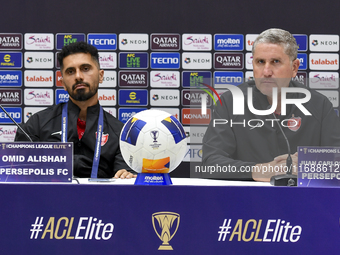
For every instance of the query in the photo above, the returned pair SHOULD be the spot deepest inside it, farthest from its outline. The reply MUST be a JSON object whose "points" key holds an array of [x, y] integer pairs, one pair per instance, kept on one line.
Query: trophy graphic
{"points": [[165, 222]]}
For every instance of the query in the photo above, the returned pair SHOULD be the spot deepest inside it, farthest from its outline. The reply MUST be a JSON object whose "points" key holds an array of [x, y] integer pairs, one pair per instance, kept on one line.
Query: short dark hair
{"points": [[78, 47]]}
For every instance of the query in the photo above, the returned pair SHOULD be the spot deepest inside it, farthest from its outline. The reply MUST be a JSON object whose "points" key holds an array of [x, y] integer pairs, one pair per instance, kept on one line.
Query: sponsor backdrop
{"points": [[59, 221], [154, 53]]}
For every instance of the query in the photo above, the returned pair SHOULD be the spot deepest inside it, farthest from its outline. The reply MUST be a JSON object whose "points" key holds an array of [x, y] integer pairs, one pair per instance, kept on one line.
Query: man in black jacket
{"points": [[81, 120], [251, 146]]}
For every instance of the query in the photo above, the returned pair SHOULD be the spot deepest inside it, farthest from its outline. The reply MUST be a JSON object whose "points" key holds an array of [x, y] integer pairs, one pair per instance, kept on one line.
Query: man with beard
{"points": [[82, 118]]}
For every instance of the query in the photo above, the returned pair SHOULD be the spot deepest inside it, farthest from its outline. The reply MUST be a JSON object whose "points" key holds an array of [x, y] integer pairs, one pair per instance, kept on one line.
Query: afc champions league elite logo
{"points": [[165, 226], [154, 135]]}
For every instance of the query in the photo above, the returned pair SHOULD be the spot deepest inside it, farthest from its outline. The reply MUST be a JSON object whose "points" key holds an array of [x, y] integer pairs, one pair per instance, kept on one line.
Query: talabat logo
{"points": [[133, 78], [324, 80], [135, 97], [66, 39], [197, 61], [10, 41], [107, 97], [194, 79], [10, 60], [39, 78], [164, 79], [39, 41], [199, 42], [133, 60], [133, 41], [250, 38], [228, 42], [108, 60], [324, 43], [103, 41], [41, 60], [165, 60], [301, 41], [10, 78], [228, 61], [165, 42], [323, 61], [10, 97]]}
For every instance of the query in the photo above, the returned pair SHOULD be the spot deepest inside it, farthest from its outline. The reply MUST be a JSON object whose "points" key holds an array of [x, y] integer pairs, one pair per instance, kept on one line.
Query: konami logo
{"points": [[58, 79], [192, 116], [324, 61]]}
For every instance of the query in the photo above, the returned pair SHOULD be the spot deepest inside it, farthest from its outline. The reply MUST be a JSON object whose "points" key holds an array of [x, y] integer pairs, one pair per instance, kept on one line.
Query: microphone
{"points": [[29, 138], [287, 179]]}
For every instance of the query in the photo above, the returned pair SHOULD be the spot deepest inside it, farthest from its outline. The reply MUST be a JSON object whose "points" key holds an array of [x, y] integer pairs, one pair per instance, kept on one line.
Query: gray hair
{"points": [[281, 37]]}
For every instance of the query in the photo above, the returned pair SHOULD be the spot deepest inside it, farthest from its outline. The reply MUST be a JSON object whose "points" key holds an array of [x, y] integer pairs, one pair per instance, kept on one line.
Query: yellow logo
{"points": [[7, 58], [133, 95], [165, 224]]}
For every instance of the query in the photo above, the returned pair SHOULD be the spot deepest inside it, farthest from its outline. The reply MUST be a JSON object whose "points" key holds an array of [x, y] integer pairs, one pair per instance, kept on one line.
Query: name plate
{"points": [[36, 162], [319, 166]]}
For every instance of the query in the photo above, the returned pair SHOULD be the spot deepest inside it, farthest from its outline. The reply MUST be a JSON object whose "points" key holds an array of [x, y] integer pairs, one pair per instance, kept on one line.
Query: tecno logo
{"points": [[103, 41], [165, 60]]}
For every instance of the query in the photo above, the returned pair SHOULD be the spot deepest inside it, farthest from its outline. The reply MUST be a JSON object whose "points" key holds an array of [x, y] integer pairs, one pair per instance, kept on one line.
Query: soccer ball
{"points": [[153, 141]]}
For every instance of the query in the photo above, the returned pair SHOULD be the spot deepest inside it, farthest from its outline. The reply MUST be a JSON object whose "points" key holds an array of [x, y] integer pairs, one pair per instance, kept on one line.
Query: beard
{"points": [[82, 94]]}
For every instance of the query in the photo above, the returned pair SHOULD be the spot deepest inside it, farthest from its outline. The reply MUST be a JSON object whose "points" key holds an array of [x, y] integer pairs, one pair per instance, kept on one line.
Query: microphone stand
{"points": [[287, 179]]}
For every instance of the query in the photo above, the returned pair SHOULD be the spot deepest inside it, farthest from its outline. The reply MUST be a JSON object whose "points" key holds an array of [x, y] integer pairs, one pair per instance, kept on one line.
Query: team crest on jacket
{"points": [[294, 123], [105, 138]]}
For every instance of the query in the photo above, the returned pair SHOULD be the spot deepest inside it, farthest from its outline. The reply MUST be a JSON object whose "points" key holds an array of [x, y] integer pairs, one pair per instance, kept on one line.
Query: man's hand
{"points": [[123, 174], [276, 167]]}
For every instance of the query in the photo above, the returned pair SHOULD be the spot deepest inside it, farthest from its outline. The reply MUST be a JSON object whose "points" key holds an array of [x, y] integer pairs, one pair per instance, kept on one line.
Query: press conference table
{"points": [[195, 216]]}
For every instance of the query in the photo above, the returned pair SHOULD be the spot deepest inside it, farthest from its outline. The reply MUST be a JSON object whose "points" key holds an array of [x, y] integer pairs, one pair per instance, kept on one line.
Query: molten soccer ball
{"points": [[153, 141]]}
